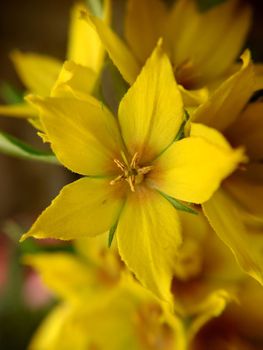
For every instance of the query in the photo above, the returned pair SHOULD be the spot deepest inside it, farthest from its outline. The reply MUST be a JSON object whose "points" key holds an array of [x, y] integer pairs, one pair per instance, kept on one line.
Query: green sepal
{"points": [[12, 146], [30, 246], [180, 135], [178, 205], [205, 5], [112, 233]]}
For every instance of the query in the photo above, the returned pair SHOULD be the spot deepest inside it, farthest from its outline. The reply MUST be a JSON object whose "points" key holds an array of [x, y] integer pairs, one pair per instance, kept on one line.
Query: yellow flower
{"points": [[122, 319], [133, 171], [98, 297], [196, 42], [96, 309], [40, 72], [206, 276], [235, 211], [92, 271]]}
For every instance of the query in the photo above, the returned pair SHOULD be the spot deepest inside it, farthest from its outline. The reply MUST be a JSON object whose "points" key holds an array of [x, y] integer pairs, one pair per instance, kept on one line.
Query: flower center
{"points": [[131, 172]]}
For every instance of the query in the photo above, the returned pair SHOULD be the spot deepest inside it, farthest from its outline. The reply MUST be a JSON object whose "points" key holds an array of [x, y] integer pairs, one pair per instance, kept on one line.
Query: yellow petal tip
{"points": [[160, 42], [24, 237]]}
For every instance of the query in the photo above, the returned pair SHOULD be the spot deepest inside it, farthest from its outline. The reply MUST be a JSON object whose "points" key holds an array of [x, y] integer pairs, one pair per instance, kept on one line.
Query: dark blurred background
{"points": [[27, 187]]}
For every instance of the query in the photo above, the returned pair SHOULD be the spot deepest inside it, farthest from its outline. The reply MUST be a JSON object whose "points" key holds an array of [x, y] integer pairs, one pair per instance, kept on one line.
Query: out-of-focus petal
{"points": [[37, 72], [74, 81], [226, 103], [118, 51], [85, 47], [144, 25], [22, 110], [248, 131], [220, 33], [225, 219]]}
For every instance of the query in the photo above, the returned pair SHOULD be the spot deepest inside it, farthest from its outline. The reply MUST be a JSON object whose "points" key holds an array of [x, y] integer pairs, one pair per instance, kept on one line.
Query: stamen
{"points": [[134, 160], [132, 173], [131, 182], [145, 170], [117, 179], [119, 164]]}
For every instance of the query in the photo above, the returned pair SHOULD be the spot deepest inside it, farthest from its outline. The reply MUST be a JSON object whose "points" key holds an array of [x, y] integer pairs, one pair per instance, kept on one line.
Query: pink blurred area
{"points": [[35, 293]]}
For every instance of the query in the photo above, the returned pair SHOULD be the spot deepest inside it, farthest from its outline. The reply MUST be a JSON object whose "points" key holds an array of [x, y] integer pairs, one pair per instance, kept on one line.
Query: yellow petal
{"points": [[192, 169], [148, 235], [193, 98], [36, 122], [144, 25], [65, 274], [74, 81], [209, 134], [47, 335], [112, 324], [83, 134], [37, 72], [248, 131], [86, 207], [246, 189], [151, 112], [228, 46], [215, 51], [226, 103], [109, 323], [84, 46], [21, 110], [224, 217], [189, 262], [118, 51], [248, 194]]}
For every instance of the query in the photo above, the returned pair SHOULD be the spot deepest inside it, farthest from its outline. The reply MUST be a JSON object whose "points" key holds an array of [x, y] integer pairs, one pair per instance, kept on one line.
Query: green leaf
{"points": [[112, 233], [10, 94], [205, 5], [95, 7], [177, 204], [14, 147]]}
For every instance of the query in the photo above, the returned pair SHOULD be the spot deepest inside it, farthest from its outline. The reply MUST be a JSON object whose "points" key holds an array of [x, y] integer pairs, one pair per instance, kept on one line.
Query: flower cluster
{"points": [[171, 180]]}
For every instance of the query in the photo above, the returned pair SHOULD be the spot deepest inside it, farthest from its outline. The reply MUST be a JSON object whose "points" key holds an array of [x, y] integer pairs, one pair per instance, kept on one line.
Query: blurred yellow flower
{"points": [[196, 42], [133, 171], [100, 305], [206, 276], [235, 211], [40, 72]]}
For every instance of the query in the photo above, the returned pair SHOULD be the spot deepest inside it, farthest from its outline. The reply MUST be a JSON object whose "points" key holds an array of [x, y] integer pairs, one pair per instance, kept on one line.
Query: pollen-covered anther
{"points": [[131, 172]]}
